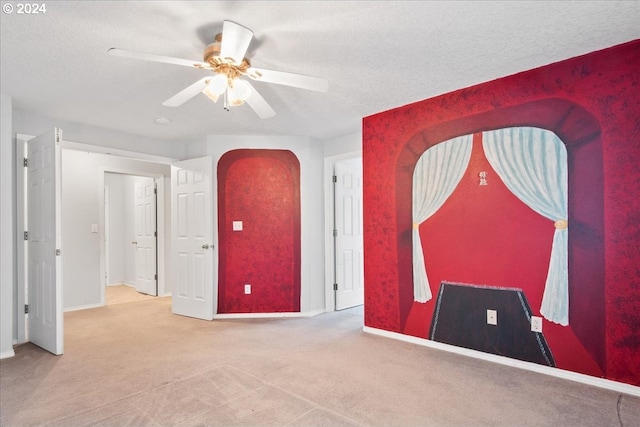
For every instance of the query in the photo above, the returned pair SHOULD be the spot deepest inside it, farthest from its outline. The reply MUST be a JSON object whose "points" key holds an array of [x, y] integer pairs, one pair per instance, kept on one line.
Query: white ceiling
{"points": [[377, 55]]}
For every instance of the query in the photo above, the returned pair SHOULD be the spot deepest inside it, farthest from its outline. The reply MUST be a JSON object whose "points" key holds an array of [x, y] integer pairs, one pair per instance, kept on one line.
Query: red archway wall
{"points": [[589, 103], [261, 188]]}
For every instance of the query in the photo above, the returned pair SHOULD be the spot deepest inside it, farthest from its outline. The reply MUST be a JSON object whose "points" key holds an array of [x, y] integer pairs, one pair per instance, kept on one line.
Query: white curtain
{"points": [[437, 173], [532, 163]]}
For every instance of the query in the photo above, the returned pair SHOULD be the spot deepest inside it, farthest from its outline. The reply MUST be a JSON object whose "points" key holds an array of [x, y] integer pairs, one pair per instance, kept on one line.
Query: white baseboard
{"points": [[83, 307], [547, 370], [266, 315], [7, 354]]}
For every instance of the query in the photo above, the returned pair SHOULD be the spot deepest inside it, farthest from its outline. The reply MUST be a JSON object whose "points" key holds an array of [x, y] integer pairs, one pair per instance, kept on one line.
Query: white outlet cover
{"points": [[94, 228], [237, 225], [492, 317], [247, 289], [536, 324]]}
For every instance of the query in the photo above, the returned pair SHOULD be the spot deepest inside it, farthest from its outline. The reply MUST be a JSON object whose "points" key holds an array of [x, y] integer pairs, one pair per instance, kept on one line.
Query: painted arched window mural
{"points": [[532, 163]]}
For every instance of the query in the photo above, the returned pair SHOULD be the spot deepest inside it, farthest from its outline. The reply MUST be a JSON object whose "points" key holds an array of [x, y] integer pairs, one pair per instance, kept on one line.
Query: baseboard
{"points": [[266, 315], [554, 372], [7, 354], [83, 307]]}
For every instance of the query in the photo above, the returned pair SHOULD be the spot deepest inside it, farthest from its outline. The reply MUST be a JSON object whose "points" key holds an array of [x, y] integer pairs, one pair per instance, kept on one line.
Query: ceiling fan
{"points": [[225, 57]]}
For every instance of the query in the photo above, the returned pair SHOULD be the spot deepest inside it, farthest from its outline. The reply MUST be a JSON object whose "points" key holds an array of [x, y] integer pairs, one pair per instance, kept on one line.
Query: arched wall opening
{"points": [[259, 231]]}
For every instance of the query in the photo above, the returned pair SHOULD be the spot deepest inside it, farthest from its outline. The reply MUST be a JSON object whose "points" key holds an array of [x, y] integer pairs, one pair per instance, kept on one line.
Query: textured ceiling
{"points": [[377, 55]]}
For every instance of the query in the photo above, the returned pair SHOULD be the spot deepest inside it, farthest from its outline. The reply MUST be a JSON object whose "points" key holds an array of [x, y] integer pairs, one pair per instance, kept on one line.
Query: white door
{"points": [[44, 242], [192, 233], [145, 236], [349, 266]]}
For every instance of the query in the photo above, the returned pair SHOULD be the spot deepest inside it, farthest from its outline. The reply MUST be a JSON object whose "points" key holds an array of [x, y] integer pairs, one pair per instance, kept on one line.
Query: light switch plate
{"points": [[247, 289], [94, 228], [237, 225]]}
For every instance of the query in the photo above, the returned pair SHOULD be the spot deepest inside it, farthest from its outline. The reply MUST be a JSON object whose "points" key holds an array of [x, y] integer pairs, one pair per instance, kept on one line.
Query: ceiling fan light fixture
{"points": [[239, 91], [216, 87]]}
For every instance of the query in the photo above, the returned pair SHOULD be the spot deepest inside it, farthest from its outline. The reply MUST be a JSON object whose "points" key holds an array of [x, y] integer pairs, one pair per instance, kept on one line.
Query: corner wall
{"points": [[7, 235]]}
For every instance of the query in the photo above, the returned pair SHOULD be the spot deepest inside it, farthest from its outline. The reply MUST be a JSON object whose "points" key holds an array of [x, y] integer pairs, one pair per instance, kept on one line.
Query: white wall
{"points": [[117, 241], [81, 208], [310, 155], [7, 225], [32, 124], [351, 143]]}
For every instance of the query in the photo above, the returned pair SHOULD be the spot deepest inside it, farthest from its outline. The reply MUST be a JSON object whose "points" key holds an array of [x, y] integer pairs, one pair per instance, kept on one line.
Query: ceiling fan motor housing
{"points": [[226, 66]]}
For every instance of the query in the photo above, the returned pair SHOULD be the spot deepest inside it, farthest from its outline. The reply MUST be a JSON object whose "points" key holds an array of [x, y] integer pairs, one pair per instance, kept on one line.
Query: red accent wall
{"points": [[261, 188], [591, 102]]}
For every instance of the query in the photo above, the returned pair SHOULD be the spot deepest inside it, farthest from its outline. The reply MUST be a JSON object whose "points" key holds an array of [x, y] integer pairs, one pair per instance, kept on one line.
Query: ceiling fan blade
{"points": [[187, 93], [157, 58], [259, 105], [235, 41], [289, 79]]}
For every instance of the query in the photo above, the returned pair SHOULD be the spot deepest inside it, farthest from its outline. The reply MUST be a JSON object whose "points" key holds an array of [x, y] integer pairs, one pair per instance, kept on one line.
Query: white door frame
{"points": [[21, 291], [160, 242], [329, 250]]}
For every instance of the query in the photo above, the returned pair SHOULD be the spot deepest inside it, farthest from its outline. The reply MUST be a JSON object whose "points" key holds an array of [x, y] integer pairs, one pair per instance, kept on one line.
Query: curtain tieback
{"points": [[561, 224], [416, 226]]}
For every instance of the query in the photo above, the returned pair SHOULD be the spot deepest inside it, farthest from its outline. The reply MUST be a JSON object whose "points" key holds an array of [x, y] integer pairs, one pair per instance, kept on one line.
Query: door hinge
{"points": [[58, 252], [26, 235], [335, 233], [155, 234], [335, 286], [335, 178], [26, 309], [58, 136], [155, 190], [155, 276], [25, 162]]}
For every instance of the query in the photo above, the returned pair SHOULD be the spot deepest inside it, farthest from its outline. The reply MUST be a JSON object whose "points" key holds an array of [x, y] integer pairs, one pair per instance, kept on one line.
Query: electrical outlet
{"points": [[247, 289], [492, 317], [536, 324]]}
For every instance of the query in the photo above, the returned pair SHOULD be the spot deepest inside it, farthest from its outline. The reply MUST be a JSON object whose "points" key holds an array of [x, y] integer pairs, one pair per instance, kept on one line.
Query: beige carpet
{"points": [[120, 294], [137, 364]]}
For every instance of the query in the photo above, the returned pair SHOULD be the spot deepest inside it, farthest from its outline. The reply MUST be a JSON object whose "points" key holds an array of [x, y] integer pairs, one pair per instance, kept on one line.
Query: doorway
{"points": [[83, 216], [130, 234], [344, 283]]}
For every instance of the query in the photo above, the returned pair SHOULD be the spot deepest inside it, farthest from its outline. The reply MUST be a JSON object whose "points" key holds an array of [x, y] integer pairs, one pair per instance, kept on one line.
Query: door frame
{"points": [[160, 227], [20, 317], [329, 210]]}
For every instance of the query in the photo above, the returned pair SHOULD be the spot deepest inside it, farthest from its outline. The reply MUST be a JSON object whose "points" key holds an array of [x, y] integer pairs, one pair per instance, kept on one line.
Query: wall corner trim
{"points": [[7, 354], [83, 307], [534, 367]]}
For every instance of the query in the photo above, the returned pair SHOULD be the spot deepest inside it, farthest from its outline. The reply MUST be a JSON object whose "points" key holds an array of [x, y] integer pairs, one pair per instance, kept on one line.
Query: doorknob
{"points": [[206, 246]]}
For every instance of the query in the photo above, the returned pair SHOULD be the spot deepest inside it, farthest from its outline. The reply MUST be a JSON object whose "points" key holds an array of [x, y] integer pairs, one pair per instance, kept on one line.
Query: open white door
{"points": [[44, 242], [349, 266], [146, 236], [192, 233]]}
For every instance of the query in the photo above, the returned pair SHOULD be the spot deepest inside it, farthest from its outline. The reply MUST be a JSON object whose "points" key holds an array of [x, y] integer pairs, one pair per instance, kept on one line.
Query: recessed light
{"points": [[162, 120]]}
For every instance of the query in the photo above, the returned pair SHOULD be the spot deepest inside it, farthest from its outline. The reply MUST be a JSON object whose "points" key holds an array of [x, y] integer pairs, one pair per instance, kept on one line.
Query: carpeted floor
{"points": [[137, 364], [119, 294]]}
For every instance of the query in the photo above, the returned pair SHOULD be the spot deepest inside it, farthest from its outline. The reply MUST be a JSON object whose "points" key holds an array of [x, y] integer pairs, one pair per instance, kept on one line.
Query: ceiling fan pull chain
{"points": [[226, 98]]}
